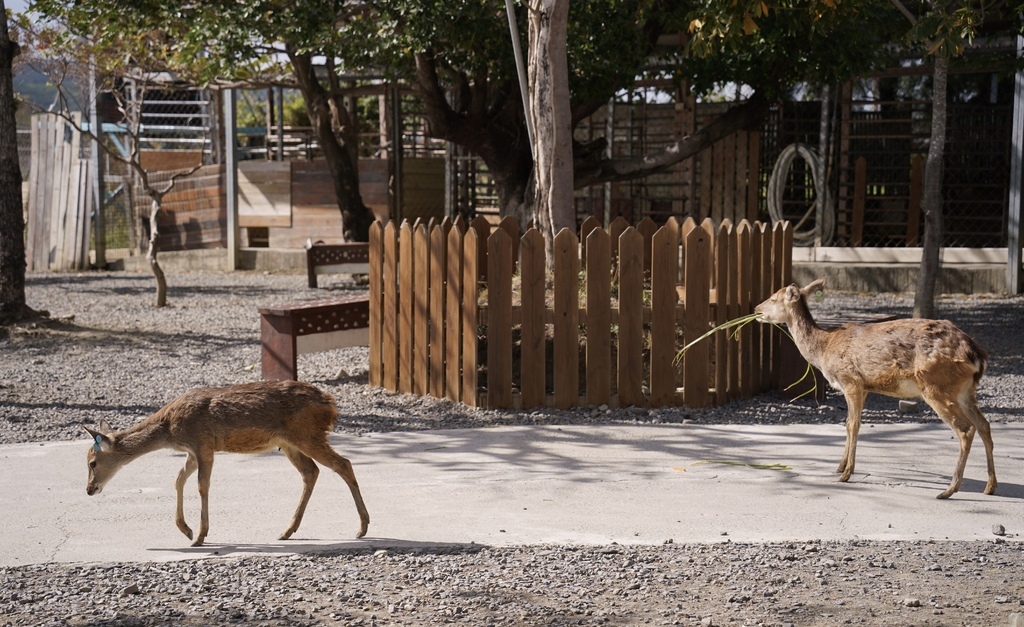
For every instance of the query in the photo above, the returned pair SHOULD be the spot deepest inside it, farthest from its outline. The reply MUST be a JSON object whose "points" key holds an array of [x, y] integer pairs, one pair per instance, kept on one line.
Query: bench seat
{"points": [[293, 329]]}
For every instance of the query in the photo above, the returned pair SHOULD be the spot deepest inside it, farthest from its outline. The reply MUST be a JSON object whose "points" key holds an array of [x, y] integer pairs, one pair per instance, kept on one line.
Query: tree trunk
{"points": [[356, 217], [552, 119], [931, 196], [154, 248], [12, 222]]}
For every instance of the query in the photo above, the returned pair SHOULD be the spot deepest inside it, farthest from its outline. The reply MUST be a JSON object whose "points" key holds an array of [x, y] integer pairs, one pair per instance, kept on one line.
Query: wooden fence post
{"points": [[453, 317], [471, 256], [421, 312], [406, 315], [664, 277], [532, 356], [599, 317], [631, 320], [695, 363], [722, 282], [566, 345], [438, 275], [391, 305], [376, 293], [499, 320]]}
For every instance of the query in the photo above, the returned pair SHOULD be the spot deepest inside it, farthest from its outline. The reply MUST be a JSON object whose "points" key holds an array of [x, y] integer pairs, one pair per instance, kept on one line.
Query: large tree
{"points": [[463, 69], [12, 223]]}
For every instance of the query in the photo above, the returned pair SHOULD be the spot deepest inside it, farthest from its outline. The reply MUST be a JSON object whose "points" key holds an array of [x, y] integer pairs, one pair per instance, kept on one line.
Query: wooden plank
{"points": [[406, 307], [51, 185], [664, 277], [59, 199], [860, 183], [615, 231], [914, 208], [389, 326], [764, 234], [728, 178], [722, 290], [482, 226], [566, 368], [511, 226], [778, 282], [588, 225], [744, 271], [72, 209], [703, 207], [697, 316], [375, 291], [421, 313], [470, 315], [32, 213], [532, 357], [453, 317], [755, 298], [647, 228], [631, 329], [499, 320], [438, 274], [731, 306], [599, 334]]}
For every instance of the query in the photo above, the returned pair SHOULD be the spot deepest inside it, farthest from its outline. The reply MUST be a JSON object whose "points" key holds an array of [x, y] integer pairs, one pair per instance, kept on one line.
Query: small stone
{"points": [[907, 407], [911, 602], [999, 530], [1016, 620], [132, 589], [707, 622]]}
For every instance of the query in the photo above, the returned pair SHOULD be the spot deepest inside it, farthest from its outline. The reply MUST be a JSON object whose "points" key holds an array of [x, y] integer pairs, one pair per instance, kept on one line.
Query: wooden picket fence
{"points": [[471, 312]]}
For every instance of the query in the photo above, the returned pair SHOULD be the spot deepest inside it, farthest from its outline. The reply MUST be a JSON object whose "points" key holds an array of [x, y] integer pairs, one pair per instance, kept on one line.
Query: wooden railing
{"points": [[472, 313]]}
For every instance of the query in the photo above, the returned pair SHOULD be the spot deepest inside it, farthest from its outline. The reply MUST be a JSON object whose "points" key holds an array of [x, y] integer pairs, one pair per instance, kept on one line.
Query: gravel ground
{"points": [[109, 354]]}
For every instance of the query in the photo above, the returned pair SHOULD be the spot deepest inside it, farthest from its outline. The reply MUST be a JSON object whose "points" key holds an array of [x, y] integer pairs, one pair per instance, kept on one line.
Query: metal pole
{"points": [[231, 177], [96, 173], [513, 28], [1015, 226]]}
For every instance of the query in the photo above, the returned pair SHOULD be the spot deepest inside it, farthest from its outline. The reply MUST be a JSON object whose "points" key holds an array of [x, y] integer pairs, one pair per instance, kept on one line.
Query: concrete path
{"points": [[524, 485]]}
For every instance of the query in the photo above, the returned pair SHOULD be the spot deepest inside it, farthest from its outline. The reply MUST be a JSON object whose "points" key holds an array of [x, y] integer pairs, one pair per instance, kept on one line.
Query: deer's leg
{"points": [[179, 485], [309, 472], [951, 413], [983, 428], [322, 452], [855, 404], [205, 465]]}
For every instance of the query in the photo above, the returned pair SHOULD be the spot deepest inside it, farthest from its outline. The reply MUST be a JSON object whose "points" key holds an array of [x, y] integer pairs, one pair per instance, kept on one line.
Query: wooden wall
{"points": [[193, 215]]}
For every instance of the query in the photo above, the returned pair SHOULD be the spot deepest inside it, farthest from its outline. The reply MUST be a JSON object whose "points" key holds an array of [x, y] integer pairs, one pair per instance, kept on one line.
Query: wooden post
{"points": [[599, 339], [499, 320], [566, 345], [532, 356]]}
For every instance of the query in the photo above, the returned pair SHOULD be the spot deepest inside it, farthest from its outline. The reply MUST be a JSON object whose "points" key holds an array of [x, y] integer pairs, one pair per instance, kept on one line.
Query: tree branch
{"points": [[593, 171]]}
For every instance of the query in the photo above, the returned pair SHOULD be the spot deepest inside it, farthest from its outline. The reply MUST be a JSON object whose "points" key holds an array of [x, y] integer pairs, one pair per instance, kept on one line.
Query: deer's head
{"points": [[779, 308], [103, 459]]}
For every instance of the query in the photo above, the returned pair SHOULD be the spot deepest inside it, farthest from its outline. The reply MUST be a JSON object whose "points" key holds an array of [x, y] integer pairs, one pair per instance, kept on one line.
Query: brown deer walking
{"points": [[910, 358], [249, 418]]}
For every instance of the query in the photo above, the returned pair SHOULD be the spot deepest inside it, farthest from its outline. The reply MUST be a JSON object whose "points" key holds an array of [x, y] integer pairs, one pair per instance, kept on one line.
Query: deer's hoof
{"points": [[991, 487], [286, 535]]}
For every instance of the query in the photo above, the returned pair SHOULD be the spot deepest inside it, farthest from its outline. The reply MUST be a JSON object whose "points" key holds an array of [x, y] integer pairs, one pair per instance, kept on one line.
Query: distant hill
{"points": [[35, 88]]}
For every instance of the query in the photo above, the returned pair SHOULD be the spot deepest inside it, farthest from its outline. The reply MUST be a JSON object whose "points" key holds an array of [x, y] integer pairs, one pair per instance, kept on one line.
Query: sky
{"points": [[16, 5]]}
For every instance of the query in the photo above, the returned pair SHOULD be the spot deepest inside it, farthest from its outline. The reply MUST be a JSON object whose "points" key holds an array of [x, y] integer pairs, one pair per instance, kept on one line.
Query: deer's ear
{"points": [[814, 287], [793, 293], [104, 427], [100, 441]]}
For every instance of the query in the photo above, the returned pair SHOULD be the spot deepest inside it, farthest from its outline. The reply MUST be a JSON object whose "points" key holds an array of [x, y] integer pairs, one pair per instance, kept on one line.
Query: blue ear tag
{"points": [[96, 445]]}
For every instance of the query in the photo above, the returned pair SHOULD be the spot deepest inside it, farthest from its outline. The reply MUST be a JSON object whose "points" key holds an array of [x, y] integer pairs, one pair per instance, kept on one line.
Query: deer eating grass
{"points": [[909, 358], [249, 418]]}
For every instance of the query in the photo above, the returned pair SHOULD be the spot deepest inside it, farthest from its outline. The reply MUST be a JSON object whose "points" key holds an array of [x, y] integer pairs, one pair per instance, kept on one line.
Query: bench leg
{"points": [[277, 343]]}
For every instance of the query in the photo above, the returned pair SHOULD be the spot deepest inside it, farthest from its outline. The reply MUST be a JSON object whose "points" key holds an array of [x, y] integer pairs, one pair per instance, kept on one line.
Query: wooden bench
{"points": [[793, 366], [351, 258], [287, 331]]}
